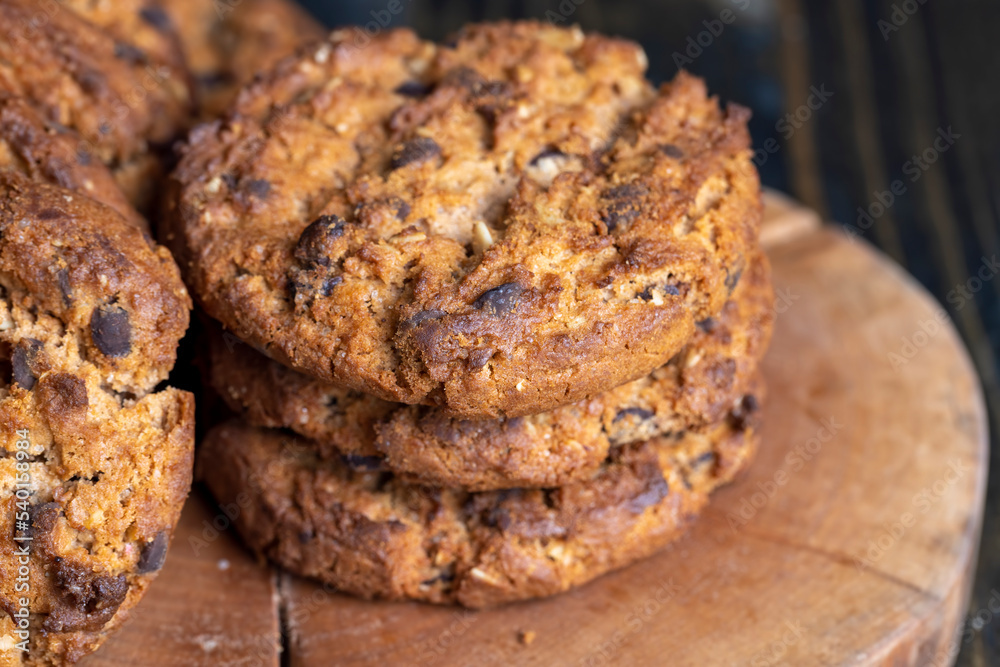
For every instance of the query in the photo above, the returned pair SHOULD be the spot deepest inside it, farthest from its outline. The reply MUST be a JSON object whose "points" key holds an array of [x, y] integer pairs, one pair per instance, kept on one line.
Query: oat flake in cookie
{"points": [[697, 387], [372, 535], [94, 469], [498, 227]]}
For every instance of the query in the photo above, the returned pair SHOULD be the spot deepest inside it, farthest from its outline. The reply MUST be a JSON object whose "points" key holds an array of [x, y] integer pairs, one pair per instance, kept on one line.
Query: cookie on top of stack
{"points": [[96, 459], [492, 311]]}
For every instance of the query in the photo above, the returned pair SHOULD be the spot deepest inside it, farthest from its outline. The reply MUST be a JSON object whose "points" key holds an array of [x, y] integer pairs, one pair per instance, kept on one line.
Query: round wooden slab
{"points": [[851, 540]]}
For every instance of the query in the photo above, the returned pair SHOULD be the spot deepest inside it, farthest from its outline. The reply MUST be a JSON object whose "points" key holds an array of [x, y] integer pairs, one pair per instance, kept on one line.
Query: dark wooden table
{"points": [[881, 115]]}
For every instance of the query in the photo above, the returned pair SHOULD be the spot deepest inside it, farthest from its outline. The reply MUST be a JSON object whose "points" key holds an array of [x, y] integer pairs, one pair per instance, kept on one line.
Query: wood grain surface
{"points": [[851, 541]]}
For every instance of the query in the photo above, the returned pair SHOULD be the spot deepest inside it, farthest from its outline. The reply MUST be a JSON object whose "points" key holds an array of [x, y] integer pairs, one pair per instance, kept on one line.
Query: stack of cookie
{"points": [[96, 459], [492, 311]]}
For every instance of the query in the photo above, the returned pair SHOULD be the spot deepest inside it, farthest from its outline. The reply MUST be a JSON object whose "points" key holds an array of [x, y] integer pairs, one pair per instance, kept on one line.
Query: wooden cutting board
{"points": [[851, 541]]}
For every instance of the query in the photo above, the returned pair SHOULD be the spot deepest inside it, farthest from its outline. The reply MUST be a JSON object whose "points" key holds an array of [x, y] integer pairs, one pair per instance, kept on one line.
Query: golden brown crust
{"points": [[226, 45], [697, 387], [72, 267], [140, 24], [499, 228], [93, 469], [374, 536], [51, 154], [119, 98]]}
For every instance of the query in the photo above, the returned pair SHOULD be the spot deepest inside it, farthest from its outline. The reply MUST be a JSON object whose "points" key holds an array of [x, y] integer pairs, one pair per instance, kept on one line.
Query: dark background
{"points": [[899, 72]]}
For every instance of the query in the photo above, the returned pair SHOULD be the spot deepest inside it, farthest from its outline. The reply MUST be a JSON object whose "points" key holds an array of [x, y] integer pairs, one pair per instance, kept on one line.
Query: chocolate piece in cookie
{"points": [[550, 251], [374, 536], [424, 445]]}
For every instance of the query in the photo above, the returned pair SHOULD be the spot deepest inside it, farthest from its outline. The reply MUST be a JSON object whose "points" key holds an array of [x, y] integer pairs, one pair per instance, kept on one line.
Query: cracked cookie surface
{"points": [[697, 387], [372, 535], [499, 226], [105, 477]]}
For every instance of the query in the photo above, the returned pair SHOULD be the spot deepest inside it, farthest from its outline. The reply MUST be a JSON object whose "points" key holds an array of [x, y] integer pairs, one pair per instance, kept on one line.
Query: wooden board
{"points": [[851, 541]]}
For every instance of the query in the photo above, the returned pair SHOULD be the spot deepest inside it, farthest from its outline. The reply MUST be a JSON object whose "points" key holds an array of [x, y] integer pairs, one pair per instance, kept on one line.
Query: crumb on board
{"points": [[526, 637]]}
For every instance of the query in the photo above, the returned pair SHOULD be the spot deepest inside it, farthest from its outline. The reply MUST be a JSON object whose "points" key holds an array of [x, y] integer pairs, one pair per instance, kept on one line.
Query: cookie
{"points": [[499, 226], [121, 101], [372, 535], [72, 269], [97, 483], [140, 26], [94, 469], [49, 153], [423, 445], [226, 45]]}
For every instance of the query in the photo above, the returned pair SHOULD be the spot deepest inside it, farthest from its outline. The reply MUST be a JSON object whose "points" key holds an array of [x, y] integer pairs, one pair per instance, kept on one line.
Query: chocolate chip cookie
{"points": [[91, 485], [423, 445], [120, 99], [94, 469], [370, 534], [227, 44], [499, 226], [73, 269], [49, 153]]}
